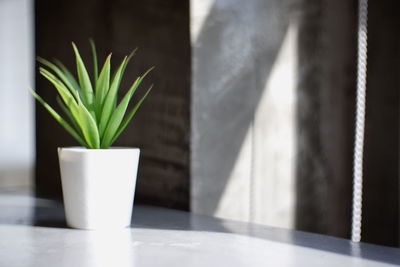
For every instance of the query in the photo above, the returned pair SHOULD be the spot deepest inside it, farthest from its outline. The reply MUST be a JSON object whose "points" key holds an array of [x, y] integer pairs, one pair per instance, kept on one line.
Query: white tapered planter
{"points": [[98, 186]]}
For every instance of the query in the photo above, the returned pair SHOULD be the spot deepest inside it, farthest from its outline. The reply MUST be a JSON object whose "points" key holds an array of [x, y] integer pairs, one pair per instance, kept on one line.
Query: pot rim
{"points": [[82, 149]]}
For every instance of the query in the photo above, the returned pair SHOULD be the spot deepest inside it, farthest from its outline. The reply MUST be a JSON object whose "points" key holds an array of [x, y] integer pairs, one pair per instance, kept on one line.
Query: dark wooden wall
{"points": [[160, 29], [381, 163], [326, 114]]}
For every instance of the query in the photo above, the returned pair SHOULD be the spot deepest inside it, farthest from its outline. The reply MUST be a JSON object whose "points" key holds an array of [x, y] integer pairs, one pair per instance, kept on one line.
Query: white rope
{"points": [[360, 120]]}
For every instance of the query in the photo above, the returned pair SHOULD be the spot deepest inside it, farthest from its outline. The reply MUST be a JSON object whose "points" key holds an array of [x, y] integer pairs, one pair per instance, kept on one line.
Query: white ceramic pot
{"points": [[98, 186]]}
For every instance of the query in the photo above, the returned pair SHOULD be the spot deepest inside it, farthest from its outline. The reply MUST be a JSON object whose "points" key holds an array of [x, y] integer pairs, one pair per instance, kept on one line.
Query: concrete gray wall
{"points": [[272, 116], [242, 110]]}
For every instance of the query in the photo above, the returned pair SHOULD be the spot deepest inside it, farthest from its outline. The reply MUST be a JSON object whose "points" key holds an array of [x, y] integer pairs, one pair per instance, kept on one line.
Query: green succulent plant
{"points": [[95, 119]]}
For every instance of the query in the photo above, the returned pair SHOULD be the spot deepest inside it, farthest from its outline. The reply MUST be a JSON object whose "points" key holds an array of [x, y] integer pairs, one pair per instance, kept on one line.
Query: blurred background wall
{"points": [[16, 105]]}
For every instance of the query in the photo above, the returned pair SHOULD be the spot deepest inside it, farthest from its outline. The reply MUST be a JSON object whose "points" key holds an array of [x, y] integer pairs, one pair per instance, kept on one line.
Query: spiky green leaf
{"points": [[84, 80], [130, 56], [110, 99], [102, 85], [67, 81], [59, 119], [95, 66], [68, 75], [70, 116], [88, 126], [129, 117], [61, 88], [91, 106], [118, 115]]}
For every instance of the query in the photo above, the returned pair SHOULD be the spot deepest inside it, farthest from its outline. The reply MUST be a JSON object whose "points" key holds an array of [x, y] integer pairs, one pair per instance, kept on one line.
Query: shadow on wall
{"points": [[233, 55]]}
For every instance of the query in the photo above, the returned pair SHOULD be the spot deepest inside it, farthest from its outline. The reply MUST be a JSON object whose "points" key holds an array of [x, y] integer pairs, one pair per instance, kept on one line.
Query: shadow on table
{"points": [[46, 213], [49, 216], [159, 218]]}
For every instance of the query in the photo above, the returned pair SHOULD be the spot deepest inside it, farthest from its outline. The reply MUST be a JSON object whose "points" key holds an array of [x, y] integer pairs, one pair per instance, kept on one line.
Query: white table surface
{"points": [[33, 233]]}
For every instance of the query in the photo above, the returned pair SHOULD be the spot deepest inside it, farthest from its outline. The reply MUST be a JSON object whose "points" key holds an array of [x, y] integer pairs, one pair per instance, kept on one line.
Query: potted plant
{"points": [[98, 180]]}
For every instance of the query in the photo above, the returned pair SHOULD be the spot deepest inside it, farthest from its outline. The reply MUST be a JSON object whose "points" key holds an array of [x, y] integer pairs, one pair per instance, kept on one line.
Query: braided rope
{"points": [[360, 120]]}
